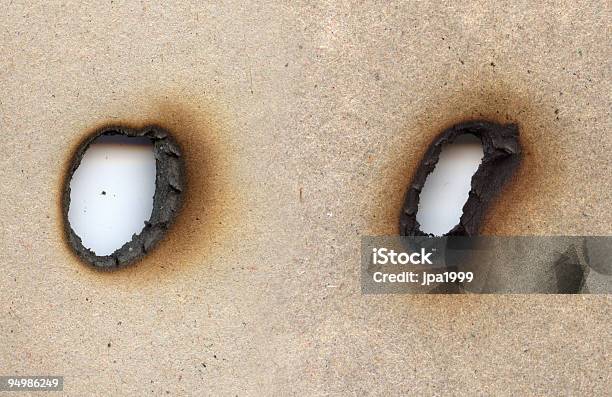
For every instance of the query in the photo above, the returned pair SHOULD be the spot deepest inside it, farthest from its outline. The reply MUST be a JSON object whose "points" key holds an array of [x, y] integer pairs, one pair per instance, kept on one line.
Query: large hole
{"points": [[111, 192], [447, 188], [123, 191]]}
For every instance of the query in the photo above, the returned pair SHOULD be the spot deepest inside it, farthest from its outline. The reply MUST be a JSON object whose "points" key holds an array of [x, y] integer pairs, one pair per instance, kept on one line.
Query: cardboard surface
{"points": [[302, 124]]}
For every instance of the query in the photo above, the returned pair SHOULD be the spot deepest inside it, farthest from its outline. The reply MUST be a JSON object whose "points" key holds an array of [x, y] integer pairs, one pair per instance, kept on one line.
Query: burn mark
{"points": [[167, 200], [502, 156], [528, 198], [210, 212]]}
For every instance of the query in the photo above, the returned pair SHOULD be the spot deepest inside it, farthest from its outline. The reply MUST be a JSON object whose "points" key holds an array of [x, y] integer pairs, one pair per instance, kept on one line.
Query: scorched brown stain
{"points": [[514, 210], [207, 211]]}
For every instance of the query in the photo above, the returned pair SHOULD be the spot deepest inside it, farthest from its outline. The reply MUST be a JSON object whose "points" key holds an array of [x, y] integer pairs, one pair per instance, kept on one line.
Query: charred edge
{"points": [[502, 156], [167, 200]]}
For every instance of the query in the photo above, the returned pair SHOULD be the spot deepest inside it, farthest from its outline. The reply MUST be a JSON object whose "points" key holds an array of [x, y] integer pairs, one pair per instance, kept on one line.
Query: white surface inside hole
{"points": [[112, 192], [447, 188]]}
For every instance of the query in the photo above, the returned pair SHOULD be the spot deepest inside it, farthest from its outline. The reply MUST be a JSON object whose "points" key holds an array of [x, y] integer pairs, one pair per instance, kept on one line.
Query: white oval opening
{"points": [[447, 188], [111, 192]]}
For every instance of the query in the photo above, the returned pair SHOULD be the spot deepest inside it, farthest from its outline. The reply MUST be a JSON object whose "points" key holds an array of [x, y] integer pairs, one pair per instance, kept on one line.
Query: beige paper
{"points": [[302, 123]]}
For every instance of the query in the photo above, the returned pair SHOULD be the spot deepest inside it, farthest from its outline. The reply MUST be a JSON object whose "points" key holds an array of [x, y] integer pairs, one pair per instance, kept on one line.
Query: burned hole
{"points": [[447, 188], [122, 192], [501, 155], [111, 192]]}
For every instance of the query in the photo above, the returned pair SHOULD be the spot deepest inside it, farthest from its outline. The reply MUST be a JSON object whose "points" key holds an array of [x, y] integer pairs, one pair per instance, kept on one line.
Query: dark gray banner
{"points": [[31, 383], [487, 264]]}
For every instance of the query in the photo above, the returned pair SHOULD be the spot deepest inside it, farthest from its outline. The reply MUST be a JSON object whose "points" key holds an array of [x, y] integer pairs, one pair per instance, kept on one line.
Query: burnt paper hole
{"points": [[111, 192], [502, 155], [167, 197], [447, 188]]}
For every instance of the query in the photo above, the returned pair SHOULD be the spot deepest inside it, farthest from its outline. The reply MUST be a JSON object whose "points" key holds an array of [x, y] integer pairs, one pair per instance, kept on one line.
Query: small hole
{"points": [[447, 188], [111, 192]]}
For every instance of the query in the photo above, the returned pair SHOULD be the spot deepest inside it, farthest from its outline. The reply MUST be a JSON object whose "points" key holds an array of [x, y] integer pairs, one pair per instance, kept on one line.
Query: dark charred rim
{"points": [[167, 200], [502, 156]]}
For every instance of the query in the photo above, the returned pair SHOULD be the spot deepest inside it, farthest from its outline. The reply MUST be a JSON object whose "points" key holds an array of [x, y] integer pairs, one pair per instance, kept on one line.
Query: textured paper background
{"points": [[303, 123]]}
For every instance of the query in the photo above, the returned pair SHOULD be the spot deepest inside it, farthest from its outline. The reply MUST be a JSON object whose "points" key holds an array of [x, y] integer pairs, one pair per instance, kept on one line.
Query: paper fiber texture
{"points": [[302, 124]]}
